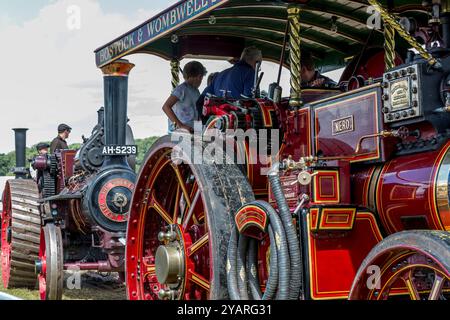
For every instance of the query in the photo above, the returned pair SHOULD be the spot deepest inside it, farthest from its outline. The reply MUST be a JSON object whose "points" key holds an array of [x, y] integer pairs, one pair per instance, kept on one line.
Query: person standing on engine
{"points": [[311, 78], [42, 149], [60, 143], [239, 80], [180, 107]]}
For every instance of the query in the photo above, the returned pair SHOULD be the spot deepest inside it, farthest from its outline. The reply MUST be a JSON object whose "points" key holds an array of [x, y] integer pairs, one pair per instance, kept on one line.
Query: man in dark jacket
{"points": [[238, 80], [60, 143], [311, 78]]}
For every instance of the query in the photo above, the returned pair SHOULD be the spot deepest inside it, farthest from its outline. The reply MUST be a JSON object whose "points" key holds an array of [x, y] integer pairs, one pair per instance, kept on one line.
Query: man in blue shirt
{"points": [[238, 80]]}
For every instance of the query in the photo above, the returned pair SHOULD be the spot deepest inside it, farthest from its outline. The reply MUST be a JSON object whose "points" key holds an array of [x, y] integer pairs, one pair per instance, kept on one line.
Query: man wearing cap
{"points": [[60, 143], [42, 148]]}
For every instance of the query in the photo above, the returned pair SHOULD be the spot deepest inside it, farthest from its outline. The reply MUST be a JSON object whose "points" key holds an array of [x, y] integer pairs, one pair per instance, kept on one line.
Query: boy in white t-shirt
{"points": [[180, 107]]}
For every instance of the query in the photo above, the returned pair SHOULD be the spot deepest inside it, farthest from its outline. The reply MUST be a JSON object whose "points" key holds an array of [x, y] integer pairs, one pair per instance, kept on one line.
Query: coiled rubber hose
{"points": [[285, 275], [242, 263], [296, 283]]}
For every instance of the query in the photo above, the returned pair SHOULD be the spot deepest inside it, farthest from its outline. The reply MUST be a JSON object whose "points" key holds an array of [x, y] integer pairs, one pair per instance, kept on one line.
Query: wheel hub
{"points": [[38, 267], [169, 262], [169, 265], [120, 200]]}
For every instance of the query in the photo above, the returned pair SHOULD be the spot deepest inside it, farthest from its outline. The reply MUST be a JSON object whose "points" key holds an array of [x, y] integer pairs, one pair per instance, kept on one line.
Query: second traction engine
{"points": [[87, 194]]}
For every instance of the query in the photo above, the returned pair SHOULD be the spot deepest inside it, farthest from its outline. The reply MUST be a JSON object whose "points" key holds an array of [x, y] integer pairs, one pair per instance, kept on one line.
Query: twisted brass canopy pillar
{"points": [[295, 55], [175, 70], [389, 46]]}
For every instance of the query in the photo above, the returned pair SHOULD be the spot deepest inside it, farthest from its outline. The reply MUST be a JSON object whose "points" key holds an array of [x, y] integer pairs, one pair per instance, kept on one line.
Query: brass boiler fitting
{"points": [[302, 164], [401, 133], [304, 177]]}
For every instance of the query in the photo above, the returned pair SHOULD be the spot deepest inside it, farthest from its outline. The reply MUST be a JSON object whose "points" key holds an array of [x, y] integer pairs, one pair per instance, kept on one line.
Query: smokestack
{"points": [[115, 79], [20, 170]]}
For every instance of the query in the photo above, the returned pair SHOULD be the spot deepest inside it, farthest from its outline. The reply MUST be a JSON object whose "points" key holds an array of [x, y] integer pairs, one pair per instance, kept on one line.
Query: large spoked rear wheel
{"points": [[180, 225], [50, 264], [20, 232], [415, 262]]}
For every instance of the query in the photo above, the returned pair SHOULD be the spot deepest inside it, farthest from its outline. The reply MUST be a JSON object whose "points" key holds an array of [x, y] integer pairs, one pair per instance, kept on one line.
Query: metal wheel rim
{"points": [[5, 245], [50, 254], [195, 285]]}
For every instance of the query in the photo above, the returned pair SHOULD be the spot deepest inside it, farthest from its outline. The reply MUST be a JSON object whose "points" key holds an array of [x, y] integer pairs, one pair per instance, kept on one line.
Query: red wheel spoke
{"points": [[162, 162], [182, 185], [438, 284], [161, 211], [199, 280], [191, 210], [198, 245], [193, 198], [176, 210], [409, 281]]}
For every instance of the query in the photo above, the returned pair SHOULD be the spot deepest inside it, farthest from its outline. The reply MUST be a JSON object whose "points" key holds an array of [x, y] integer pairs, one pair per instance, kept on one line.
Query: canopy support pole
{"points": [[295, 55], [389, 19], [389, 47], [175, 70]]}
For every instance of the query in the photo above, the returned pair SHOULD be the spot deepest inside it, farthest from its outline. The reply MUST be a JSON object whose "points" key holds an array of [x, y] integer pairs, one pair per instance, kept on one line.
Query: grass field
{"points": [[93, 287]]}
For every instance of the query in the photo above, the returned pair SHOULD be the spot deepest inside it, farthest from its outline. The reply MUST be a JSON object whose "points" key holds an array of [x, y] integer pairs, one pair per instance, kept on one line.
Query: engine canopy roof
{"points": [[220, 29]]}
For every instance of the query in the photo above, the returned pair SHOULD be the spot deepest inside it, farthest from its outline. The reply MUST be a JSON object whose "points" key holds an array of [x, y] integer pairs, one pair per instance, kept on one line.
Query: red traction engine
{"points": [[357, 206], [82, 199]]}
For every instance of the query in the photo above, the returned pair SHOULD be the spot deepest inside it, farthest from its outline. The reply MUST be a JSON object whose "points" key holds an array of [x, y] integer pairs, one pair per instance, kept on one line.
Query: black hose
{"points": [[241, 267], [232, 286], [278, 242], [252, 271], [272, 282], [242, 277], [296, 282]]}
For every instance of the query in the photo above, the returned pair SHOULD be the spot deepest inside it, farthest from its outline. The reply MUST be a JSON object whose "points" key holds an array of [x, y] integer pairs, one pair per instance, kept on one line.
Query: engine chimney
{"points": [[20, 170], [115, 77]]}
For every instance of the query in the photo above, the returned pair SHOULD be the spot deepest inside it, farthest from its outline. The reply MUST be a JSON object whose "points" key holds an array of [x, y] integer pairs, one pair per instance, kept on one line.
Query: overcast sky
{"points": [[48, 72]]}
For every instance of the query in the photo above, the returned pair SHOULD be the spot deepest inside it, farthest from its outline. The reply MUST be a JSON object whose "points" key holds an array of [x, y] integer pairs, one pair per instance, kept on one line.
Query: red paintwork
{"points": [[339, 240], [42, 276], [334, 258], [406, 192], [66, 159], [370, 65], [354, 108], [100, 266], [5, 245], [251, 221]]}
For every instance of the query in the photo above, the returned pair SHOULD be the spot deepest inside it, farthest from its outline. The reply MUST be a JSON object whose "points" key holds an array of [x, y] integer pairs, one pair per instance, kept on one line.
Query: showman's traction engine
{"points": [[82, 200]]}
